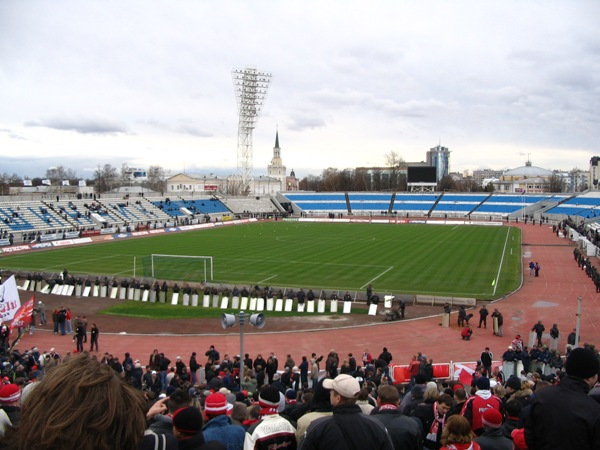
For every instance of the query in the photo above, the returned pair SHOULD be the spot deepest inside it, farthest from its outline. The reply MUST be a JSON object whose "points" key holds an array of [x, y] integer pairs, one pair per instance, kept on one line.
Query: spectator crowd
{"points": [[214, 401]]}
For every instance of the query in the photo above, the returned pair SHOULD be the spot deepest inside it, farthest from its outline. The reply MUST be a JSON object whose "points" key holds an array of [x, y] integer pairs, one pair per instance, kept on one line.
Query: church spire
{"points": [[277, 139]]}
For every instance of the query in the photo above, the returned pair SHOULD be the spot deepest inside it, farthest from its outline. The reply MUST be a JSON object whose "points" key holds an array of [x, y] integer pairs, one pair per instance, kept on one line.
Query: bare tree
{"points": [[376, 180], [394, 161], [447, 184], [346, 180], [330, 179], [311, 183], [556, 183], [361, 180], [105, 178], [157, 179], [7, 180], [125, 174], [469, 184], [60, 173]]}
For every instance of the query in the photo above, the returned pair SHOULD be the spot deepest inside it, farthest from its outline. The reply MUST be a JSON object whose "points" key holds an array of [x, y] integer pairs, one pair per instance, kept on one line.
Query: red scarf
{"points": [[438, 421]]}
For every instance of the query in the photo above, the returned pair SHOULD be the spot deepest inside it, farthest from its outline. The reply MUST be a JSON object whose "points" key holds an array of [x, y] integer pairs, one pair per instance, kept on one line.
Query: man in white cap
{"points": [[348, 427]]}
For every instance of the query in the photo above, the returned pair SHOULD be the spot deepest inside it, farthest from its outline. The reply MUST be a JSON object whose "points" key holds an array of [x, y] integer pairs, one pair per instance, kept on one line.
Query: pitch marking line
{"points": [[266, 279], [501, 261], [378, 276]]}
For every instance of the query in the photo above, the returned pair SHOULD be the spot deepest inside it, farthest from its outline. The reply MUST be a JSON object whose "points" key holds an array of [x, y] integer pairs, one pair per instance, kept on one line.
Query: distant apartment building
{"points": [[480, 175], [439, 157], [594, 172]]}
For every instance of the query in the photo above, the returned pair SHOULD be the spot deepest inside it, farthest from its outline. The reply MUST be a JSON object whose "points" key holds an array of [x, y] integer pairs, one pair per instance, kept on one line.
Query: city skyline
{"points": [[497, 83]]}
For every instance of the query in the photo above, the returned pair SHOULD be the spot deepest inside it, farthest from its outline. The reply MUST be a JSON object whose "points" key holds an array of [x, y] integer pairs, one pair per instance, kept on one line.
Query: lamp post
{"points": [[256, 320], [578, 325]]}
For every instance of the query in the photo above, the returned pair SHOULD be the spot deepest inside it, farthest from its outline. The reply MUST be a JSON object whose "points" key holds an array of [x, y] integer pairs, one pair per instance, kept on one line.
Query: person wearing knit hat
{"points": [[272, 430], [480, 402], [518, 439], [219, 426], [578, 425], [215, 404], [10, 394], [482, 383], [362, 430], [160, 415], [10, 402], [187, 428], [493, 436], [492, 418]]}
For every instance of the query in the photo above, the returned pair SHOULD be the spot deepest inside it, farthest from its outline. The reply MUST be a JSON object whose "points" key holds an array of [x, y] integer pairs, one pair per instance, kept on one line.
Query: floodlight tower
{"points": [[250, 88]]}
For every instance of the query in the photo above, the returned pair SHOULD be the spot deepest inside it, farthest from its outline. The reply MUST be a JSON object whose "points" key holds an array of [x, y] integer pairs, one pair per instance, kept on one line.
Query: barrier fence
{"points": [[460, 371]]}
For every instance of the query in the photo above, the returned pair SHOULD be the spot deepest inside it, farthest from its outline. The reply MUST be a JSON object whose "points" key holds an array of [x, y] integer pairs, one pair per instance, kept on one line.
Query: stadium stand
{"points": [[458, 203], [252, 205], [318, 202], [26, 219], [414, 203], [187, 207], [586, 206], [30, 216], [506, 204], [369, 202], [138, 211]]}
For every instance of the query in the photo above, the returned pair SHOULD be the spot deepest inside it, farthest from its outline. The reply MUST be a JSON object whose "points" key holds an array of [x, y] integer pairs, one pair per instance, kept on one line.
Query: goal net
{"points": [[179, 267]]}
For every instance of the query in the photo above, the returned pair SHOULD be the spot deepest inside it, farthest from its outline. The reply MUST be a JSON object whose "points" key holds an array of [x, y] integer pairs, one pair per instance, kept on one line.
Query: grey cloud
{"points": [[184, 126], [367, 101], [300, 121], [81, 125], [11, 134], [189, 128]]}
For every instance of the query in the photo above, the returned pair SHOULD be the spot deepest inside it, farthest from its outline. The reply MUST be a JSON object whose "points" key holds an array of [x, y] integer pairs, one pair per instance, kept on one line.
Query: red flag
{"points": [[23, 315], [463, 373]]}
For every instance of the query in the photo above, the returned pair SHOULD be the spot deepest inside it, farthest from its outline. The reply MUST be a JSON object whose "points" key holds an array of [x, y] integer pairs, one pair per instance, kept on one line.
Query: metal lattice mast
{"points": [[250, 88]]}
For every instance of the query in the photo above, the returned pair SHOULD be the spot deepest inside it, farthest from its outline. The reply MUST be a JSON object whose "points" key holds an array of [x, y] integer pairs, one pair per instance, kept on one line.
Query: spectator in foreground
{"points": [[457, 435], [564, 415], [348, 425], [492, 437], [404, 431], [272, 430], [187, 428], [58, 414], [218, 426]]}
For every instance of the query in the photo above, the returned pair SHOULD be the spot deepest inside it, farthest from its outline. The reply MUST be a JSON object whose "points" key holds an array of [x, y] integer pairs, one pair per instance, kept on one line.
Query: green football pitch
{"points": [[444, 260]]}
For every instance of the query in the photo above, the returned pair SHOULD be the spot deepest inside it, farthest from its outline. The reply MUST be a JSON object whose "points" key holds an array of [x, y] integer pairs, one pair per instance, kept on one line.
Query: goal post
{"points": [[179, 267]]}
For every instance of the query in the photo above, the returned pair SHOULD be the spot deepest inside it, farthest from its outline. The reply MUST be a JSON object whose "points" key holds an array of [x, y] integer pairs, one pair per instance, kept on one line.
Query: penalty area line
{"points": [[267, 279], [378, 276]]}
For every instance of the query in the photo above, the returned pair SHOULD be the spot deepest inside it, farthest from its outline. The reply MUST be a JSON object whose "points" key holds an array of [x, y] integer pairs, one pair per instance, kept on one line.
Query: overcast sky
{"points": [[85, 83]]}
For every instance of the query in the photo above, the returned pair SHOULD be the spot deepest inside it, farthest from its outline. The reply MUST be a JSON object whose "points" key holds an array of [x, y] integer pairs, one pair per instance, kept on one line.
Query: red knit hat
{"points": [[215, 404], [492, 418], [518, 437], [10, 393]]}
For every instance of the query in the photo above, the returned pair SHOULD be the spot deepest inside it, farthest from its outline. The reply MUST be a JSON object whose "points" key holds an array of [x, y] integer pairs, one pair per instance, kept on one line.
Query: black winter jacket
{"points": [[563, 417], [347, 429]]}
